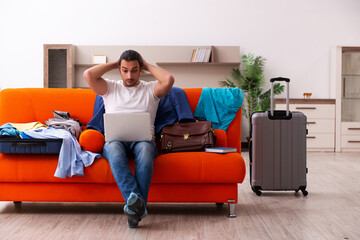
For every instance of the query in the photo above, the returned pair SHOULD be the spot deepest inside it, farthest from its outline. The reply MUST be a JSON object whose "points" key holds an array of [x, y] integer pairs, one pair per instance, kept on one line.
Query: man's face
{"points": [[130, 72]]}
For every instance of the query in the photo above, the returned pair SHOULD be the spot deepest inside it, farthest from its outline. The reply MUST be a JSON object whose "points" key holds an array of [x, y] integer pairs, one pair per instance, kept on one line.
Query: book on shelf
{"points": [[201, 55], [193, 56], [220, 149]]}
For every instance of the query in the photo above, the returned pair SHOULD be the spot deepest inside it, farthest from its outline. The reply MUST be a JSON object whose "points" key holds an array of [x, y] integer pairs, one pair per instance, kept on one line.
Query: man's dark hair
{"points": [[131, 55]]}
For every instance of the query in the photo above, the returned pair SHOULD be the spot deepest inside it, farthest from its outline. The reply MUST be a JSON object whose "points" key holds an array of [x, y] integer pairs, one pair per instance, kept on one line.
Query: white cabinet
{"points": [[346, 74], [320, 115], [350, 136]]}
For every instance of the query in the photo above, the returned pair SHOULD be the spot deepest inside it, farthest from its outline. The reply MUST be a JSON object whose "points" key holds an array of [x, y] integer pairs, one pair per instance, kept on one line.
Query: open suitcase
{"points": [[278, 149]]}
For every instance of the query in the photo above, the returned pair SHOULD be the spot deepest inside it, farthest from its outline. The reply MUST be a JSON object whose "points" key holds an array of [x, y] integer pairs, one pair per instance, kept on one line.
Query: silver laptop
{"points": [[127, 127]]}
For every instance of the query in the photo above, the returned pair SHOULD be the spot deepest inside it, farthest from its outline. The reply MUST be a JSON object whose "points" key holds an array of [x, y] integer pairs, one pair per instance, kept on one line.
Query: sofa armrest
{"points": [[221, 139], [92, 140]]}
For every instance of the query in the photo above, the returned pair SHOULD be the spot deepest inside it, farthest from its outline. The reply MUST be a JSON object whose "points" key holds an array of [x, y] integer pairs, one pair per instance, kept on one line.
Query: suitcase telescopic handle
{"points": [[28, 144], [279, 79]]}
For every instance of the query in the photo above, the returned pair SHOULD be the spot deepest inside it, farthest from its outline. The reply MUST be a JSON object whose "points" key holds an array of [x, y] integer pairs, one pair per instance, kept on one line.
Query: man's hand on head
{"points": [[117, 63], [145, 64]]}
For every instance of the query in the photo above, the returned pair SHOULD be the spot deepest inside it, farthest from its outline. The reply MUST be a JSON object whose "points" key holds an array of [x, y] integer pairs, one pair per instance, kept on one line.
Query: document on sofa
{"points": [[220, 149]]}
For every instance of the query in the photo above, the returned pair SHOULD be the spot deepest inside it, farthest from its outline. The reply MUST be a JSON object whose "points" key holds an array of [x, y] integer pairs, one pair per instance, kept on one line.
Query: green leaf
{"points": [[278, 89], [227, 83], [236, 75]]}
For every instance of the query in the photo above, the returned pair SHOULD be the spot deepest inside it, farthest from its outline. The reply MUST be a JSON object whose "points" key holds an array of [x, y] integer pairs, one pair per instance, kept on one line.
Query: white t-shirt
{"points": [[140, 98]]}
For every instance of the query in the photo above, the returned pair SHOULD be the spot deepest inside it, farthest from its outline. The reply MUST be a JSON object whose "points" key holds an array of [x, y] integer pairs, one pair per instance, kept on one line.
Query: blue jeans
{"points": [[117, 155]]}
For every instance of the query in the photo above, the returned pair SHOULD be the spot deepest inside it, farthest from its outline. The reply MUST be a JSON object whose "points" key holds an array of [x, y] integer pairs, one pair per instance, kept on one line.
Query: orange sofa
{"points": [[195, 177]]}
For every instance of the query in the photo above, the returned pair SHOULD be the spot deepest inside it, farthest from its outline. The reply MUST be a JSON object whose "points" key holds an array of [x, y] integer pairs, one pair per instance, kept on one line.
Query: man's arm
{"points": [[165, 79], [93, 77]]}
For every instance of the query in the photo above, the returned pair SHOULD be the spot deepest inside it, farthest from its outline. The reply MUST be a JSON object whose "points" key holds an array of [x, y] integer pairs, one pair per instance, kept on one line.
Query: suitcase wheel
{"points": [[256, 190], [304, 192]]}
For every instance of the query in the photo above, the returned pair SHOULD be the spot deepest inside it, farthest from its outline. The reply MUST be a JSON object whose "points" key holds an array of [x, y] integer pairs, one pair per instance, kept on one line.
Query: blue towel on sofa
{"points": [[219, 105]]}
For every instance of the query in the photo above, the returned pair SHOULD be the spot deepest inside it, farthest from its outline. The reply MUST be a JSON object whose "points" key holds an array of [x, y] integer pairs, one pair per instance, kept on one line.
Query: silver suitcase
{"points": [[278, 149]]}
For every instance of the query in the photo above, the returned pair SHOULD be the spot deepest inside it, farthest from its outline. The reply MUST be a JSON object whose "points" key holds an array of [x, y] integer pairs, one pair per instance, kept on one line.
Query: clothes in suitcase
{"points": [[278, 149], [17, 145]]}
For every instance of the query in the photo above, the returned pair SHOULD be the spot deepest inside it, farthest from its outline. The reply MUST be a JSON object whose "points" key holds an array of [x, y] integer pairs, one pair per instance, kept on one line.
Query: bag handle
{"points": [[279, 79]]}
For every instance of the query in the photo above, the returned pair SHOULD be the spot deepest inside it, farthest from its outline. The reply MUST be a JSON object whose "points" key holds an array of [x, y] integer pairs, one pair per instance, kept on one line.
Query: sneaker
{"points": [[137, 205], [132, 223], [133, 219]]}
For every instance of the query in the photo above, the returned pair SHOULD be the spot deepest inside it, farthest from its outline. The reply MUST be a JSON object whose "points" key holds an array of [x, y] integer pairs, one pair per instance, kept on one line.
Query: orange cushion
{"points": [[23, 105], [182, 167], [199, 167], [92, 140], [41, 168]]}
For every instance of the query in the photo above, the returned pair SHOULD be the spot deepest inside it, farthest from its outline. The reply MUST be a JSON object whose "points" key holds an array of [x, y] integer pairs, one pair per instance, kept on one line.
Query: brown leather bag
{"points": [[187, 137]]}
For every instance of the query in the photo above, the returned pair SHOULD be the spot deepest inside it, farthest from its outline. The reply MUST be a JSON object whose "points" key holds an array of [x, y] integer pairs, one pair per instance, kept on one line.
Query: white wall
{"points": [[294, 36]]}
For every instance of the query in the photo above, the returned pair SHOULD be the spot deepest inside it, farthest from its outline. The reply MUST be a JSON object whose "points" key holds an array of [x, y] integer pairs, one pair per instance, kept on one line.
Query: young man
{"points": [[131, 95]]}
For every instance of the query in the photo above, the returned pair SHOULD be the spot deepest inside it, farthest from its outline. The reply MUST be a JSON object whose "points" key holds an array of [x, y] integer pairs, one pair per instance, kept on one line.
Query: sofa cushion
{"points": [[199, 167], [41, 168], [23, 105], [184, 167]]}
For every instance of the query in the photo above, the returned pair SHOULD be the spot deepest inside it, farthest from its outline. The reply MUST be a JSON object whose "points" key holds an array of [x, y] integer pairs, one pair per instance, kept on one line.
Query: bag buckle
{"points": [[203, 141], [186, 136]]}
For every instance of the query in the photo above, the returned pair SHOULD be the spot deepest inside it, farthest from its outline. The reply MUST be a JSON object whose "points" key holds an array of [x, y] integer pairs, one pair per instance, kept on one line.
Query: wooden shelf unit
{"points": [[175, 59], [92, 65], [84, 65], [207, 64], [59, 66]]}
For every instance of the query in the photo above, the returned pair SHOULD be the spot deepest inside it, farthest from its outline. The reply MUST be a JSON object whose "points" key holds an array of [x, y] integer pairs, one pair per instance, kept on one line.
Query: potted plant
{"points": [[251, 80]]}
